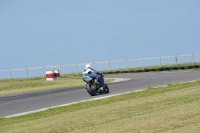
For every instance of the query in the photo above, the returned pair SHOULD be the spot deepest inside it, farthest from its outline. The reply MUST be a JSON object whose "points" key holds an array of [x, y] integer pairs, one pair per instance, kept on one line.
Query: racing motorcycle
{"points": [[93, 86]]}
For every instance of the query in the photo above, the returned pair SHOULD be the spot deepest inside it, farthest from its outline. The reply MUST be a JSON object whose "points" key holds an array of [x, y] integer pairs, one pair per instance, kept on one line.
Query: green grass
{"points": [[172, 109], [18, 86]]}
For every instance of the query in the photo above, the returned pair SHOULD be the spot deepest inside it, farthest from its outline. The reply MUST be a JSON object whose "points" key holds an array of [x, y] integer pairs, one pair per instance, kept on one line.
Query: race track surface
{"points": [[15, 104]]}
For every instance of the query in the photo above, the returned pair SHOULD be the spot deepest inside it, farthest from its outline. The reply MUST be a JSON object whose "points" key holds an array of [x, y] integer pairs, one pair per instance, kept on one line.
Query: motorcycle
{"points": [[93, 86]]}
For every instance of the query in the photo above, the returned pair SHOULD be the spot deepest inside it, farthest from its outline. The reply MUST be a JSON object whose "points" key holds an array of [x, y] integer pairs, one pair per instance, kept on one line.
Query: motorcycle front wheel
{"points": [[106, 89]]}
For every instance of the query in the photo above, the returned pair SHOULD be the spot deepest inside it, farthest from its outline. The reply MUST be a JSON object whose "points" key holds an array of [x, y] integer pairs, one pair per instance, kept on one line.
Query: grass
{"points": [[172, 109], [18, 86]]}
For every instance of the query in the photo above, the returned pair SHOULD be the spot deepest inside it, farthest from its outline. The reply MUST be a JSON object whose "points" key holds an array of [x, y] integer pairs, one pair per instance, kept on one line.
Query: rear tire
{"points": [[90, 90], [106, 89]]}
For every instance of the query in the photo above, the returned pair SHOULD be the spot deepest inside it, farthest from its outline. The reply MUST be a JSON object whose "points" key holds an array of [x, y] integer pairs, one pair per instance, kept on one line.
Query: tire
{"points": [[111, 72], [125, 71], [165, 68], [180, 68], [106, 89], [194, 66], [117, 72], [172, 68], [187, 67], [90, 90], [138, 71], [158, 69], [151, 70], [107, 73]]}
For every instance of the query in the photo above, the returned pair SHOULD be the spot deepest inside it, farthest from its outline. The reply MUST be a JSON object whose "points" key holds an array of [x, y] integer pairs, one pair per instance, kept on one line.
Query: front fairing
{"points": [[86, 79]]}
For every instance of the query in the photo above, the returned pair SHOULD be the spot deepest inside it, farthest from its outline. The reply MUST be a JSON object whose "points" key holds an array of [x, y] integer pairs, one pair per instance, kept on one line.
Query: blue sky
{"points": [[49, 32]]}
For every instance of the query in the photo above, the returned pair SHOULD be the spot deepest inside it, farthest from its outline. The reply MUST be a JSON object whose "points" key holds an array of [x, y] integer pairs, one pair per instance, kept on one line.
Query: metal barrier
{"points": [[126, 64]]}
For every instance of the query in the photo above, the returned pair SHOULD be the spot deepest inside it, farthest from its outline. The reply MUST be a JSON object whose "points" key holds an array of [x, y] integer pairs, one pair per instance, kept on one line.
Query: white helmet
{"points": [[87, 65]]}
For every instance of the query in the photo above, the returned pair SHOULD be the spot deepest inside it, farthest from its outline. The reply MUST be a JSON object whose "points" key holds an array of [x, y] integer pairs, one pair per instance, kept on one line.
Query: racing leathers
{"points": [[88, 72]]}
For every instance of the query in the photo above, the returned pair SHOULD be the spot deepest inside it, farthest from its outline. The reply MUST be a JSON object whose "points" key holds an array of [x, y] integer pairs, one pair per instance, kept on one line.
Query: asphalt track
{"points": [[16, 104]]}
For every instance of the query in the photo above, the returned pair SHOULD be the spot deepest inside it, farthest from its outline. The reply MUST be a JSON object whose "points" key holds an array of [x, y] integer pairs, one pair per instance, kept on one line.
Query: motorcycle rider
{"points": [[88, 71]]}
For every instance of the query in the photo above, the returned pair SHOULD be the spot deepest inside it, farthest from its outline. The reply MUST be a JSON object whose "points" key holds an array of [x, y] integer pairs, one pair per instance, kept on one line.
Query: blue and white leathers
{"points": [[88, 72]]}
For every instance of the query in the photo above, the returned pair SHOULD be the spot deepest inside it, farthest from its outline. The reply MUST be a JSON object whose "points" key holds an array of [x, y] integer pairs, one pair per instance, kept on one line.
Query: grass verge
{"points": [[174, 108], [18, 86]]}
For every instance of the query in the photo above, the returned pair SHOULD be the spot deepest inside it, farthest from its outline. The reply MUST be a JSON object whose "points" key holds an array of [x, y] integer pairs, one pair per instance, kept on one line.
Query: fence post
{"points": [[160, 62], [43, 71], [93, 64], [109, 65], [143, 63], [76, 69], [175, 58], [26, 72], [126, 65], [60, 69], [192, 59], [10, 74]]}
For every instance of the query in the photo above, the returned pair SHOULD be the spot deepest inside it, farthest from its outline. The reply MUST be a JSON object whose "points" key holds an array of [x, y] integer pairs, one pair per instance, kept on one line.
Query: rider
{"points": [[88, 72]]}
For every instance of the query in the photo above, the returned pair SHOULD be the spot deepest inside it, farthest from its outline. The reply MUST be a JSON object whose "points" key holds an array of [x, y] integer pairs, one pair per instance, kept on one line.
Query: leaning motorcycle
{"points": [[93, 86]]}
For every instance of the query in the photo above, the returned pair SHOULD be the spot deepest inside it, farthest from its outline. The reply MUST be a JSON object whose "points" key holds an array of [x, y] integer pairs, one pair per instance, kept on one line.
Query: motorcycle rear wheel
{"points": [[90, 90]]}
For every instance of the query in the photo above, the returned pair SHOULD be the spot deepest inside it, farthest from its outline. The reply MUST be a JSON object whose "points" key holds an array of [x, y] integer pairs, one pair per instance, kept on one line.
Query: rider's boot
{"points": [[101, 89]]}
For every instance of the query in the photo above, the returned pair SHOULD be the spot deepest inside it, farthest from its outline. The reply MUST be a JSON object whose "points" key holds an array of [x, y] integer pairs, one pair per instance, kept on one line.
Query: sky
{"points": [[55, 32]]}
